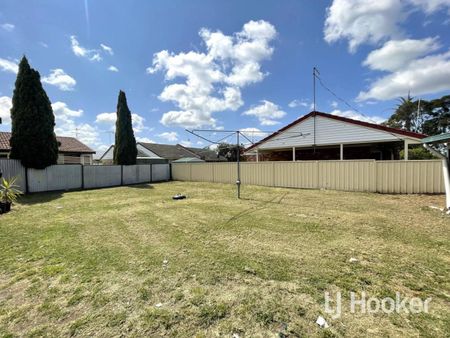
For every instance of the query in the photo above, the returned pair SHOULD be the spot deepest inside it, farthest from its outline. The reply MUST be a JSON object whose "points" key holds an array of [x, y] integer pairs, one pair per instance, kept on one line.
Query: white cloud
{"points": [[107, 49], [60, 79], [252, 131], [144, 139], [431, 6], [362, 21], [8, 66], [66, 125], [110, 119], [9, 27], [267, 113], [169, 136], [107, 118], [334, 104], [96, 57], [254, 134], [186, 143], [78, 50], [213, 79], [298, 103], [5, 107], [396, 53], [357, 116], [60, 109], [113, 69], [369, 21], [430, 74]]}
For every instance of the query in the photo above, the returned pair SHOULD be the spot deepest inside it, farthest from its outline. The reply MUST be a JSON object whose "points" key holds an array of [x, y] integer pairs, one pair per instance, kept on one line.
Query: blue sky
{"points": [[221, 64]]}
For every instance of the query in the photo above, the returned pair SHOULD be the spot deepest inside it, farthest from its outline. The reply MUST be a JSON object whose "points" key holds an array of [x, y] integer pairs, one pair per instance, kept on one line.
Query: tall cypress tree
{"points": [[125, 151], [33, 140]]}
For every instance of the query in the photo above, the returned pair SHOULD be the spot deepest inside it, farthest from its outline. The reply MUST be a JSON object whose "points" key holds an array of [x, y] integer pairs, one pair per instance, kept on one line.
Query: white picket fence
{"points": [[74, 177]]}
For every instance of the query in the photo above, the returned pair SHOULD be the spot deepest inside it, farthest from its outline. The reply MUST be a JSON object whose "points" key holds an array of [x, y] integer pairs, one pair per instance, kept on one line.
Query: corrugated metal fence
{"points": [[72, 177], [365, 175]]}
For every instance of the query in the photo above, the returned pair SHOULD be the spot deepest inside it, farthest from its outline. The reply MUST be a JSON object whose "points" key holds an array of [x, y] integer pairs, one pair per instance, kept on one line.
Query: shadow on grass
{"points": [[261, 206], [140, 186], [275, 200], [42, 197]]}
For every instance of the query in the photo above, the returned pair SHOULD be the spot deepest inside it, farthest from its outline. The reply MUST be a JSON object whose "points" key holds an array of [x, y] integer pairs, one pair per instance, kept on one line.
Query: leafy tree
{"points": [[428, 117], [33, 140], [405, 115], [438, 116], [229, 151], [125, 151], [417, 153]]}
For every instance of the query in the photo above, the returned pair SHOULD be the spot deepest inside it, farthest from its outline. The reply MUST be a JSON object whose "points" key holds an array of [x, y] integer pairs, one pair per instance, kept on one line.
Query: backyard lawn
{"points": [[130, 261]]}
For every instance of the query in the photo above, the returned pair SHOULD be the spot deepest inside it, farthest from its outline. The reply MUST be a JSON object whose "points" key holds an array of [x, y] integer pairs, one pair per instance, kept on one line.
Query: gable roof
{"points": [[66, 144], [342, 119], [167, 151], [177, 151]]}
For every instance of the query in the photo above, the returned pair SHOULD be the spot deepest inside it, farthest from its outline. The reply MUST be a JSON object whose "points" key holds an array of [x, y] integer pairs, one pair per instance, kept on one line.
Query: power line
{"points": [[321, 82]]}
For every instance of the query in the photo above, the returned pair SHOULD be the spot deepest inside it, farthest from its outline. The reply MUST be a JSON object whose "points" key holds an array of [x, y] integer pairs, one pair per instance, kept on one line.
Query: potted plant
{"points": [[8, 193]]}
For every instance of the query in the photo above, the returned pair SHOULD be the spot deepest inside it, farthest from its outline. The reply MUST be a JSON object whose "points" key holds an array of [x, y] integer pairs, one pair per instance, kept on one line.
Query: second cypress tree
{"points": [[125, 151]]}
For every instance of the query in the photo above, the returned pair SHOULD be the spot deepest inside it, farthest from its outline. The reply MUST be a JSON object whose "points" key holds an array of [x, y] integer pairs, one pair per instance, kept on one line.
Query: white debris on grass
{"points": [[158, 305], [352, 260], [322, 322]]}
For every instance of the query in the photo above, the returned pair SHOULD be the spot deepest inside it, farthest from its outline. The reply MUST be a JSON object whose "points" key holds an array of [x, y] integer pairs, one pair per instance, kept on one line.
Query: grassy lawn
{"points": [[130, 261]]}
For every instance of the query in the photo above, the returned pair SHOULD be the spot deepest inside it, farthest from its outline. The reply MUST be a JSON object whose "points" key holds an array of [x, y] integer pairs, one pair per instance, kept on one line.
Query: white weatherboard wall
{"points": [[328, 132]]}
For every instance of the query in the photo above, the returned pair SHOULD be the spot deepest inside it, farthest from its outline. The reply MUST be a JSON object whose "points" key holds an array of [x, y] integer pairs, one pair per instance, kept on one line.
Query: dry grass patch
{"points": [[130, 261]]}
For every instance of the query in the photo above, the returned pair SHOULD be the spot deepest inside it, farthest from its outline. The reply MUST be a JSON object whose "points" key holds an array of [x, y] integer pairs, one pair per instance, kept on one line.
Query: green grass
{"points": [[92, 263]]}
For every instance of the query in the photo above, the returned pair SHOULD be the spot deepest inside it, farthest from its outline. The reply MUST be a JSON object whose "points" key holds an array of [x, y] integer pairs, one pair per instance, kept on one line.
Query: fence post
{"points": [[82, 177], [273, 173], [121, 174], [151, 172], [170, 171], [26, 181]]}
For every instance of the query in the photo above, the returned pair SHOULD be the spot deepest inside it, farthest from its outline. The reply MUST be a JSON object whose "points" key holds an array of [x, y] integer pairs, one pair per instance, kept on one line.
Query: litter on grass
{"points": [[322, 322]]}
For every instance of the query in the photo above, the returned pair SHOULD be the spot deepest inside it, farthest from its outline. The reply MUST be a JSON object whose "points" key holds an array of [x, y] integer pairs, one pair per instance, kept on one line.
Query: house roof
{"points": [[177, 151], [167, 151], [441, 138], [342, 119], [189, 160], [66, 144]]}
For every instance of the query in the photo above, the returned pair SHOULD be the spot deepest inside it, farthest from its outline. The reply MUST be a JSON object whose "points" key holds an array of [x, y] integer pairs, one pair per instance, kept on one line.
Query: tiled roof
{"points": [[177, 151], [167, 151], [66, 144]]}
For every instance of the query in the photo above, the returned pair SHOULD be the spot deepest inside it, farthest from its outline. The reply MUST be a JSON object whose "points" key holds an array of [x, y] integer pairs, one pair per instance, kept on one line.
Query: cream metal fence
{"points": [[359, 175]]}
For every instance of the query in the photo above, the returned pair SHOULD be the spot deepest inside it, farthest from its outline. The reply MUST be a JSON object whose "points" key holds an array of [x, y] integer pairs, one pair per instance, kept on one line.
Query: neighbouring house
{"points": [[189, 160], [321, 136], [70, 150], [165, 153]]}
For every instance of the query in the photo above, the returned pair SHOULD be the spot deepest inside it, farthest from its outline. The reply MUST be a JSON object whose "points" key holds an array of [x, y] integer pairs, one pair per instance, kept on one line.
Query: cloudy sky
{"points": [[221, 64]]}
